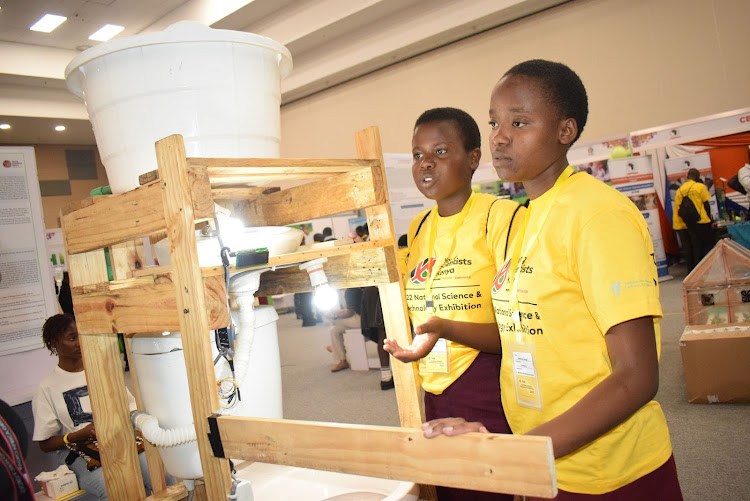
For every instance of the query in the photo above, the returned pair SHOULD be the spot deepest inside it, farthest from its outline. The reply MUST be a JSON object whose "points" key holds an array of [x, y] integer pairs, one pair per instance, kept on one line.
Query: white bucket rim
{"points": [[180, 32]]}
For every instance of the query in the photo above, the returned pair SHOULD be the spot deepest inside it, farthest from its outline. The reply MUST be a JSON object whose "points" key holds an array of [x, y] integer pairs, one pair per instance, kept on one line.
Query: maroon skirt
{"points": [[661, 484], [474, 396]]}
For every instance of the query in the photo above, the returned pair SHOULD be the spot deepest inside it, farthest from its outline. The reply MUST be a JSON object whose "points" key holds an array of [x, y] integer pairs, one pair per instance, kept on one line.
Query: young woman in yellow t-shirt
{"points": [[577, 304], [449, 265]]}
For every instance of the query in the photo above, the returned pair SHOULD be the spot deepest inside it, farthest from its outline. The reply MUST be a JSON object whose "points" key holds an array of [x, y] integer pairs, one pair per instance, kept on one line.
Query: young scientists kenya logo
{"points": [[421, 272], [501, 277]]}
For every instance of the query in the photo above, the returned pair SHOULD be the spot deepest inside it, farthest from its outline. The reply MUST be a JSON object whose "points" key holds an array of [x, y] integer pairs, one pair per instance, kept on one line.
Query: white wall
{"points": [[644, 63]]}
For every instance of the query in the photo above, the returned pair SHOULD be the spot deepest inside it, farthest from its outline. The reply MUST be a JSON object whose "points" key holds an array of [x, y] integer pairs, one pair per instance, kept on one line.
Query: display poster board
{"points": [[56, 249], [27, 293], [677, 169], [633, 177], [405, 199], [596, 151], [720, 124]]}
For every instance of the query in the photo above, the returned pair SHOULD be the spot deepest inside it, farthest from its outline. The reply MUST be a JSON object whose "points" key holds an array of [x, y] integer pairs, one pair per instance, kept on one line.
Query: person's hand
{"points": [[355, 237], [433, 325], [420, 346], [451, 427], [86, 433]]}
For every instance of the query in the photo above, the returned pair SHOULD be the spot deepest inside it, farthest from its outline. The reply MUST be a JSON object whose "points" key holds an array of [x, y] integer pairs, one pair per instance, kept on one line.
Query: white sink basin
{"points": [[277, 239], [273, 482]]}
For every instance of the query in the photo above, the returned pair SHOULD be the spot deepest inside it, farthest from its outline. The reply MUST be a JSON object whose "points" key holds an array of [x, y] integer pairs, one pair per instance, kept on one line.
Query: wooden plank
{"points": [[392, 296], [514, 464], [80, 204], [171, 493], [332, 195], [310, 252], [165, 271], [246, 167], [86, 268], [253, 170], [127, 216], [117, 219], [153, 460], [126, 258], [353, 269], [241, 193], [109, 406], [405, 376], [143, 304], [191, 305]]}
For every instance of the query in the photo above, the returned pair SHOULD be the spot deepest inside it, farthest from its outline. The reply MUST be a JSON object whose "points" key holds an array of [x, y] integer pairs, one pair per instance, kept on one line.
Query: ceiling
{"points": [[331, 41]]}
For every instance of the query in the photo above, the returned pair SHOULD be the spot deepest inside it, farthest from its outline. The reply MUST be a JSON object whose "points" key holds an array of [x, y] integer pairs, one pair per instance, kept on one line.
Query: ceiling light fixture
{"points": [[48, 23], [106, 32], [4, 126], [59, 128]]}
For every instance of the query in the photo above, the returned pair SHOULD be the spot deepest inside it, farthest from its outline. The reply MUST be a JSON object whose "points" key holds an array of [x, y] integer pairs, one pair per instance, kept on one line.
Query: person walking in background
{"points": [[371, 319], [343, 318], [576, 302], [696, 238]]}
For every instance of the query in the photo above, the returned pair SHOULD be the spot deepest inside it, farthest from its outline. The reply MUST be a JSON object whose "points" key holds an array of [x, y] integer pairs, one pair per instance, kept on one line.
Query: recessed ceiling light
{"points": [[4, 126], [48, 23], [59, 128], [106, 32]]}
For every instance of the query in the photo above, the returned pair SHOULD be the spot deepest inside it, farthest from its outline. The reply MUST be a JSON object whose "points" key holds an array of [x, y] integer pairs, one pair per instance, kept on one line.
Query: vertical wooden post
{"points": [[153, 460], [107, 394], [392, 297], [188, 281]]}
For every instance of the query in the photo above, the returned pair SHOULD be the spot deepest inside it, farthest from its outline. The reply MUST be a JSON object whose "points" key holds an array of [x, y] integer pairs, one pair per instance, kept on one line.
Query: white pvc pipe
{"points": [[244, 286], [149, 426], [245, 334]]}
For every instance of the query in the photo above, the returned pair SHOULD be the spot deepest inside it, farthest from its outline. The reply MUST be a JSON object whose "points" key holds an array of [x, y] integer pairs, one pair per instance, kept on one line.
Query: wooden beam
{"points": [[248, 170], [353, 269], [131, 215], [248, 167], [142, 305], [241, 193], [178, 210], [109, 405], [335, 194], [310, 252], [126, 258], [153, 460], [513, 464], [171, 493]]}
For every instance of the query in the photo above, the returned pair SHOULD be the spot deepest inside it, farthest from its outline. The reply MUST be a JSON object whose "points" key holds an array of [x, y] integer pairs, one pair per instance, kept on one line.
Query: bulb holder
{"points": [[315, 271]]}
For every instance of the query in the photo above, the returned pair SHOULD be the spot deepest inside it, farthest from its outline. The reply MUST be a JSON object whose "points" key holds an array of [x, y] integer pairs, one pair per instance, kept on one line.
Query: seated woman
{"points": [[62, 412]]}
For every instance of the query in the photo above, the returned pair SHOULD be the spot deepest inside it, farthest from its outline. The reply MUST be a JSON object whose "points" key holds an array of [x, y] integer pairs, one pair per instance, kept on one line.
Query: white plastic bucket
{"points": [[219, 89], [162, 378]]}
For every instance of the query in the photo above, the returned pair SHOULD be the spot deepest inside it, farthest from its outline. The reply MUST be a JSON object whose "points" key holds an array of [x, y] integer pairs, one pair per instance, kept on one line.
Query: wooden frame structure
{"points": [[191, 299]]}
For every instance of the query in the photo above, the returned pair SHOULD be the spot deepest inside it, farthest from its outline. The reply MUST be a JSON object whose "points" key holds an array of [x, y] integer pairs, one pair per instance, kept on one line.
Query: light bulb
{"points": [[325, 297]]}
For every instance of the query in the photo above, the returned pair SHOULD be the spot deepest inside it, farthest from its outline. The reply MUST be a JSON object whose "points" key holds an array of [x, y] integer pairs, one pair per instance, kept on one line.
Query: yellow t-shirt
{"points": [[698, 194], [591, 267], [461, 289]]}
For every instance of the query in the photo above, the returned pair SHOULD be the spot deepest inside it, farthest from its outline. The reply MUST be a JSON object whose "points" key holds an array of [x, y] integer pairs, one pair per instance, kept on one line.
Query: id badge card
{"points": [[437, 360], [525, 375]]}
